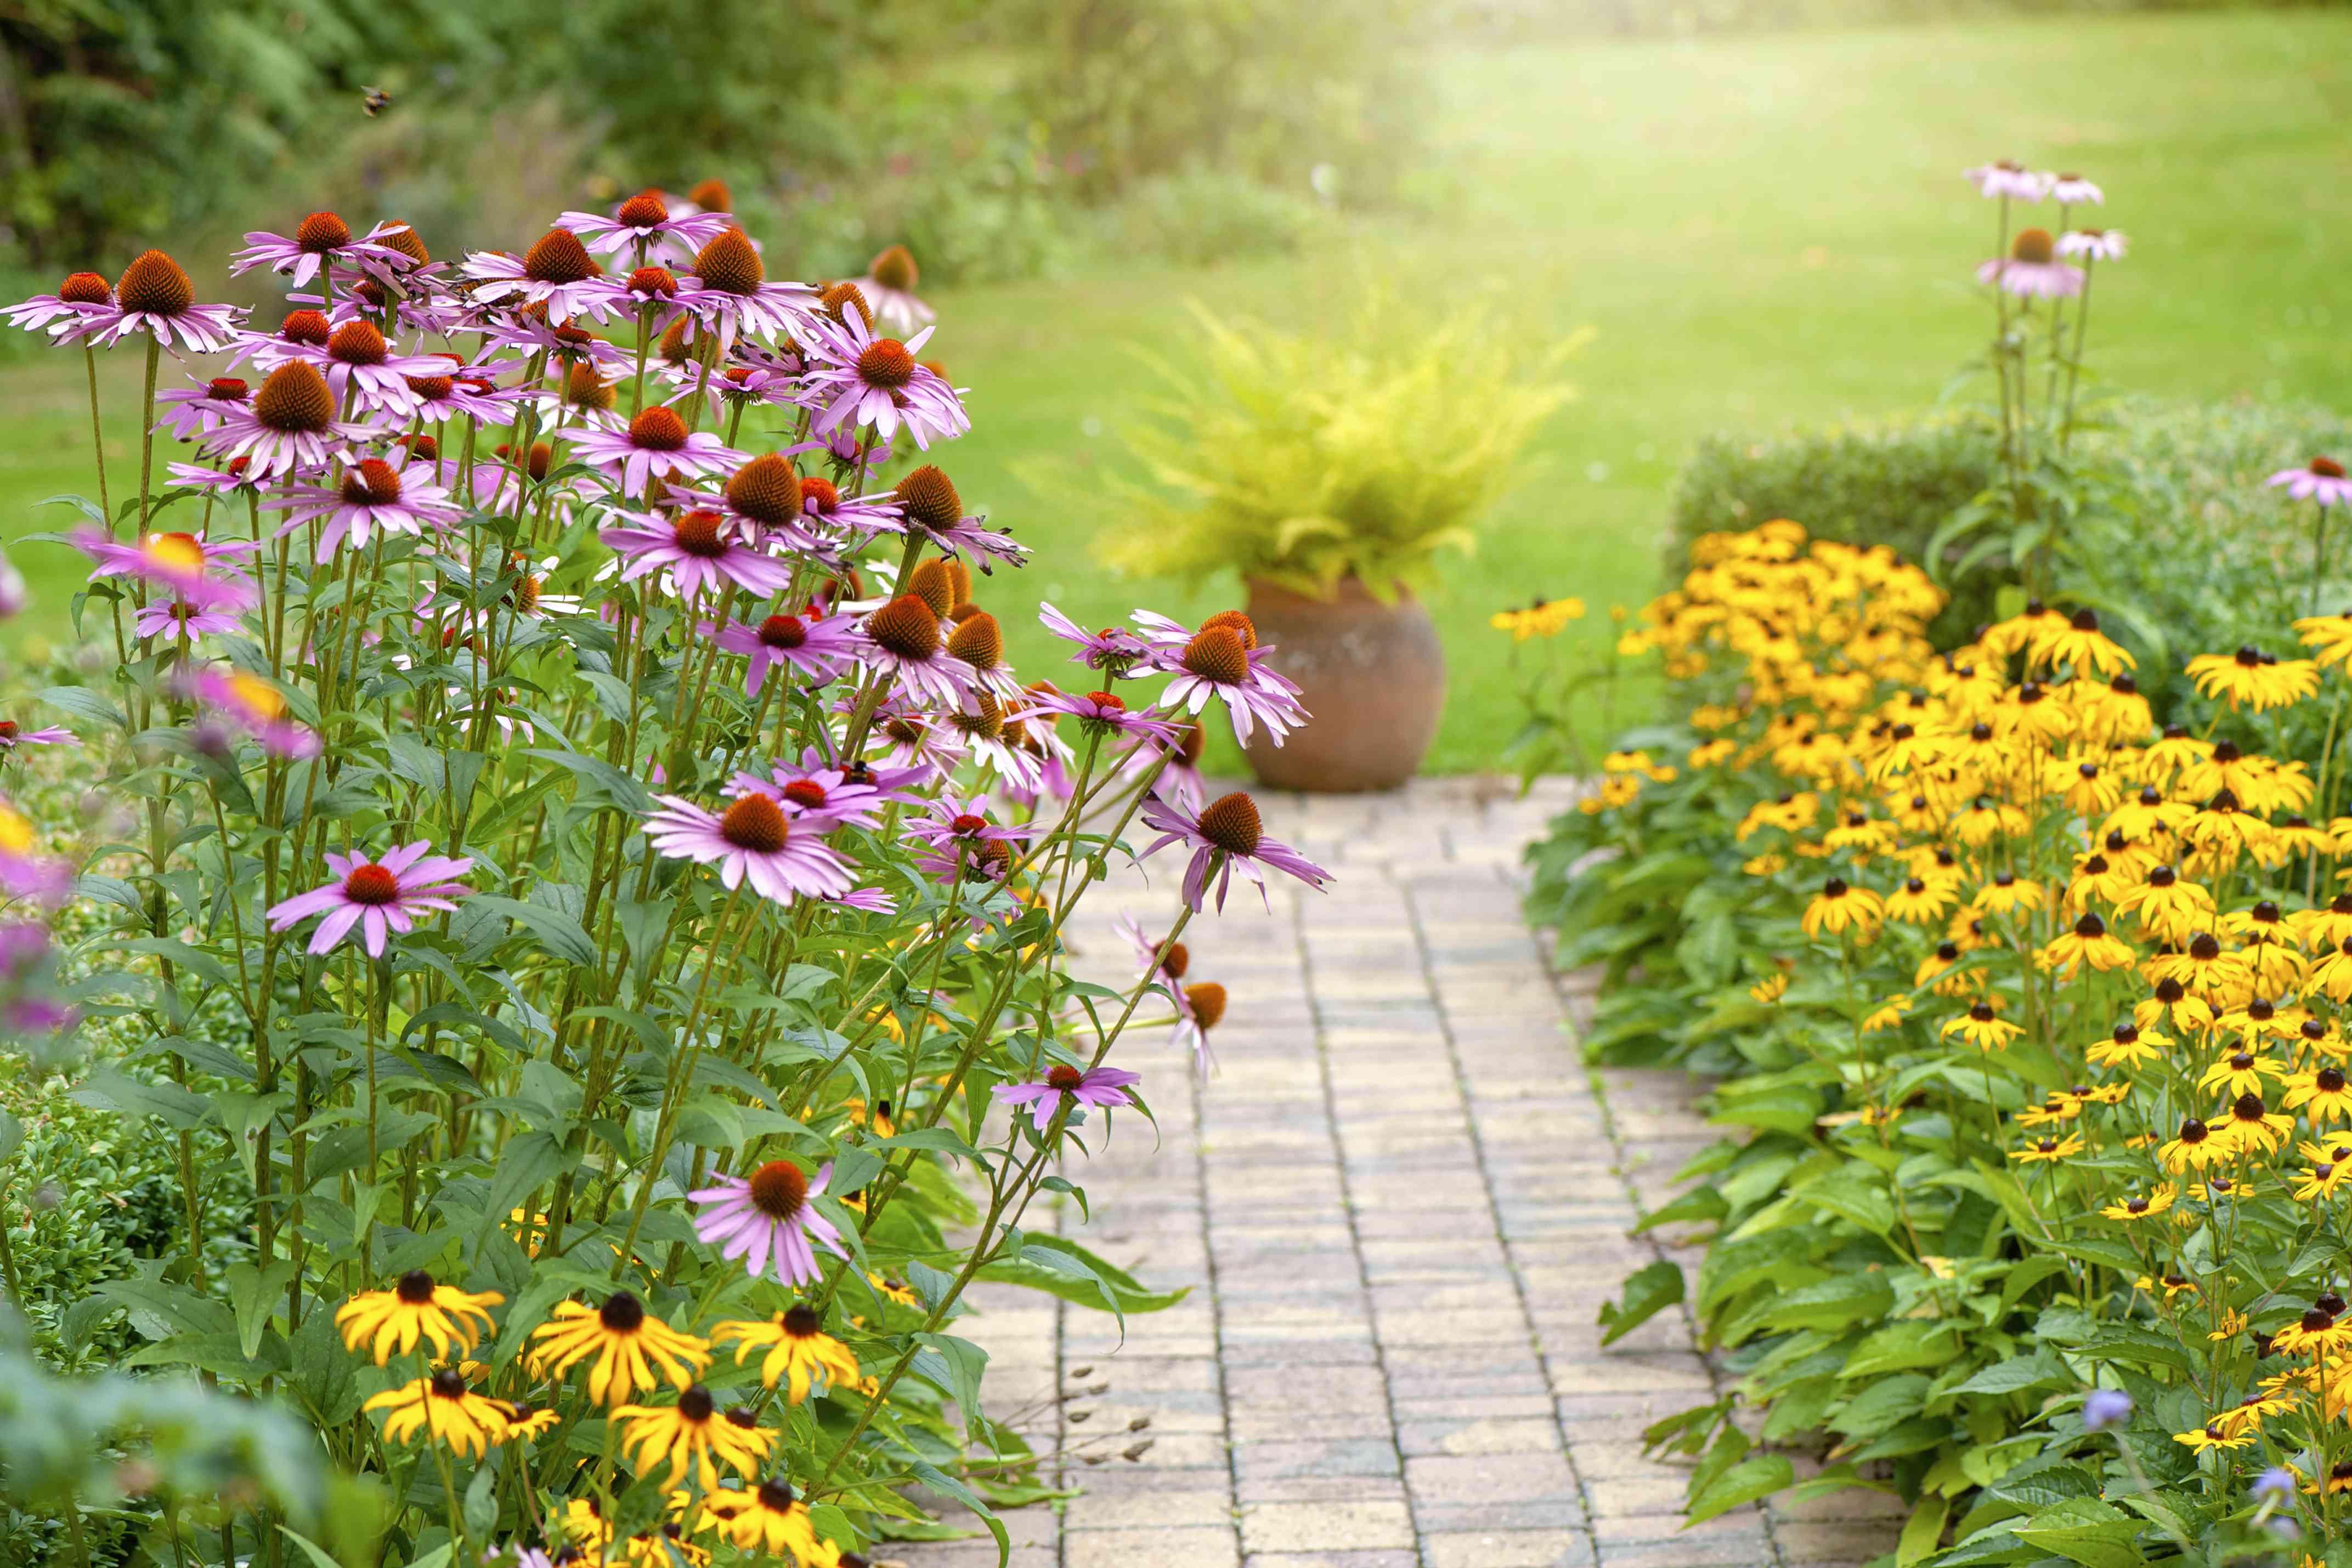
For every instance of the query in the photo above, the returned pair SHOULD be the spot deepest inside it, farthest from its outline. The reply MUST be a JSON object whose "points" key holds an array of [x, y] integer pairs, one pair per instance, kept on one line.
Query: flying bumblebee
{"points": [[375, 101]]}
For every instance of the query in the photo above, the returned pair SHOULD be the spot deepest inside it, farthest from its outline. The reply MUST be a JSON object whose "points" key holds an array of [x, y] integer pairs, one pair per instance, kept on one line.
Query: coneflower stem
{"points": [[97, 439], [146, 436]]}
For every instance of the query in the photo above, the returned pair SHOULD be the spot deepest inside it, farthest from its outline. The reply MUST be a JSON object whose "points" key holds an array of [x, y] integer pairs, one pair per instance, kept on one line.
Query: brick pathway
{"points": [[1400, 1206]]}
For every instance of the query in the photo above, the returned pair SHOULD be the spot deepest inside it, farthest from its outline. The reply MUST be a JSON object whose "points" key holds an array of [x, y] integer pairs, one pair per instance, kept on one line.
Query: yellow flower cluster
{"points": [[2147, 909]]}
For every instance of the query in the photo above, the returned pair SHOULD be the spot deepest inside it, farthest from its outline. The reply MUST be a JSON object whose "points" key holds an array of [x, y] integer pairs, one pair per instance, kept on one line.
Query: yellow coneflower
{"points": [[1770, 989], [2315, 1335], [443, 1407], [1710, 753], [2171, 1000], [2049, 1149], [2242, 1072], [1919, 902], [2332, 976], [414, 1307], [2169, 1285], [2323, 1180], [774, 1520], [526, 1421], [2213, 1435], [895, 1291], [2252, 1126], [628, 1343], [1837, 906], [2056, 1106], [800, 1352], [1980, 1027], [2129, 1046], [1886, 1015], [2251, 678], [691, 1434], [2149, 1205], [2194, 1148], [1544, 618], [2167, 906], [2087, 943], [1938, 969], [1764, 865], [2204, 970], [2077, 641]]}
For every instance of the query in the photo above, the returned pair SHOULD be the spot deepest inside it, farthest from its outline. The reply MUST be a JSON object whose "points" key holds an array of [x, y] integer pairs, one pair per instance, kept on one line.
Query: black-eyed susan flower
{"points": [[774, 1520], [1770, 989], [2194, 1147], [2128, 1047], [2251, 678], [2076, 640], [2088, 942], [2315, 1335], [2213, 1435], [392, 1321], [691, 1435], [1981, 1027], [1919, 903], [2323, 1180], [529, 1421], [2048, 1149], [2205, 969], [2321, 1094], [1886, 1015], [628, 1343], [443, 1406], [2171, 1002], [801, 1354], [1838, 907], [2242, 1072], [2252, 1127], [1544, 618], [2167, 1285], [2149, 1205], [2169, 907]]}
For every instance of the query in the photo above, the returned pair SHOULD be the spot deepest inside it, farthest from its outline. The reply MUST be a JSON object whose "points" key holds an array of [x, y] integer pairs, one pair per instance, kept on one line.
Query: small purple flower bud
{"points": [[2106, 1408], [2278, 1481]]}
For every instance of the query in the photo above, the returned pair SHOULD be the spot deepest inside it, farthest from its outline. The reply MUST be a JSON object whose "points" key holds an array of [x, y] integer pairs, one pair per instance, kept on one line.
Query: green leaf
{"points": [[311, 1549], [12, 1135], [557, 932], [2038, 1370], [253, 1293], [1648, 1292], [1836, 1302], [2086, 1531], [1700, 1204], [1855, 1194], [1923, 1531], [1757, 1477], [526, 1163], [85, 704]]}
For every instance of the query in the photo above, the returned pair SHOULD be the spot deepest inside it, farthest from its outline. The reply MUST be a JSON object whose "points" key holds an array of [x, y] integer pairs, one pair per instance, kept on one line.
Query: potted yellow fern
{"points": [[1329, 472]]}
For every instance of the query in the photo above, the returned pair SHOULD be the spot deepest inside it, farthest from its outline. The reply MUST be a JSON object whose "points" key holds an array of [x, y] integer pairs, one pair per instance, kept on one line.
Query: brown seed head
{"points": [[652, 280], [1230, 822], [701, 532], [295, 400], [978, 642], [658, 429], [905, 626], [929, 583], [729, 263], [584, 386], [558, 258], [838, 298], [779, 1188], [894, 268], [1208, 1000], [2033, 246], [712, 196], [85, 288], [306, 326], [2327, 467], [1216, 653], [322, 232], [754, 822], [1239, 624], [885, 363], [403, 238], [357, 343], [929, 499], [643, 210], [154, 284], [766, 490], [818, 496], [372, 482], [371, 885]]}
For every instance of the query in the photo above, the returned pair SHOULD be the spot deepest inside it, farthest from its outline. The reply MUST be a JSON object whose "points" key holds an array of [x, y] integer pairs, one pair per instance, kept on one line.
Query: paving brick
{"points": [[1399, 1207]]}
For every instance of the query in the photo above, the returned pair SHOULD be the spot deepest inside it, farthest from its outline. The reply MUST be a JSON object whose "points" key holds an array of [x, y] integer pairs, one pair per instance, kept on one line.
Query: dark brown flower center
{"points": [[415, 1288], [730, 265], [697, 1406], [658, 429], [818, 496], [372, 482], [841, 298], [1239, 624], [929, 499], [766, 490], [2327, 467], [322, 232], [1216, 653], [884, 362], [755, 822], [447, 1384], [643, 210], [371, 884], [785, 632], [1232, 823], [357, 343], [930, 583], [907, 627], [779, 1188], [558, 258], [805, 793], [1065, 1077], [978, 642], [802, 1322], [622, 1313], [403, 238], [775, 1495], [295, 400], [85, 288], [154, 284], [894, 268], [2330, 1080], [2033, 246], [699, 533], [652, 280]]}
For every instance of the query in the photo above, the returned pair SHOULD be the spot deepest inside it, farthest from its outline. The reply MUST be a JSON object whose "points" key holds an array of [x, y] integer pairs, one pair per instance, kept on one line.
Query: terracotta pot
{"points": [[1373, 676]]}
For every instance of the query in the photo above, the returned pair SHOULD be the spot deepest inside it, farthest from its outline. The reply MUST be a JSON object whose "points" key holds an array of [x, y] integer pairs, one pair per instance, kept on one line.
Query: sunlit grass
{"points": [[1764, 231]]}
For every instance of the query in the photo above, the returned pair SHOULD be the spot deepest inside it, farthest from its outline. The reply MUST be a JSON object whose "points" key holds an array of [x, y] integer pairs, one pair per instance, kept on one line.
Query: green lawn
{"points": [[1764, 232]]}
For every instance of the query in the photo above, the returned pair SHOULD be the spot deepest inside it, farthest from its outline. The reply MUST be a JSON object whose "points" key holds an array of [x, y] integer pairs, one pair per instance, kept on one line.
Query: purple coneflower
{"points": [[13, 735], [198, 569], [952, 825], [454, 389], [2093, 244], [23, 873], [363, 372], [856, 519], [2321, 480], [696, 551], [1098, 714], [819, 647], [765, 496], [556, 272], [2031, 270], [156, 295], [927, 500], [320, 239], [888, 286], [372, 496], [80, 299], [1101, 1086], [1114, 648], [1199, 1007], [1223, 660], [646, 219], [856, 379], [2012, 180], [291, 424], [731, 292], [179, 619], [193, 411], [2074, 191], [376, 897], [252, 704], [656, 445], [751, 839], [769, 1217], [905, 641], [853, 793], [1226, 834]]}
